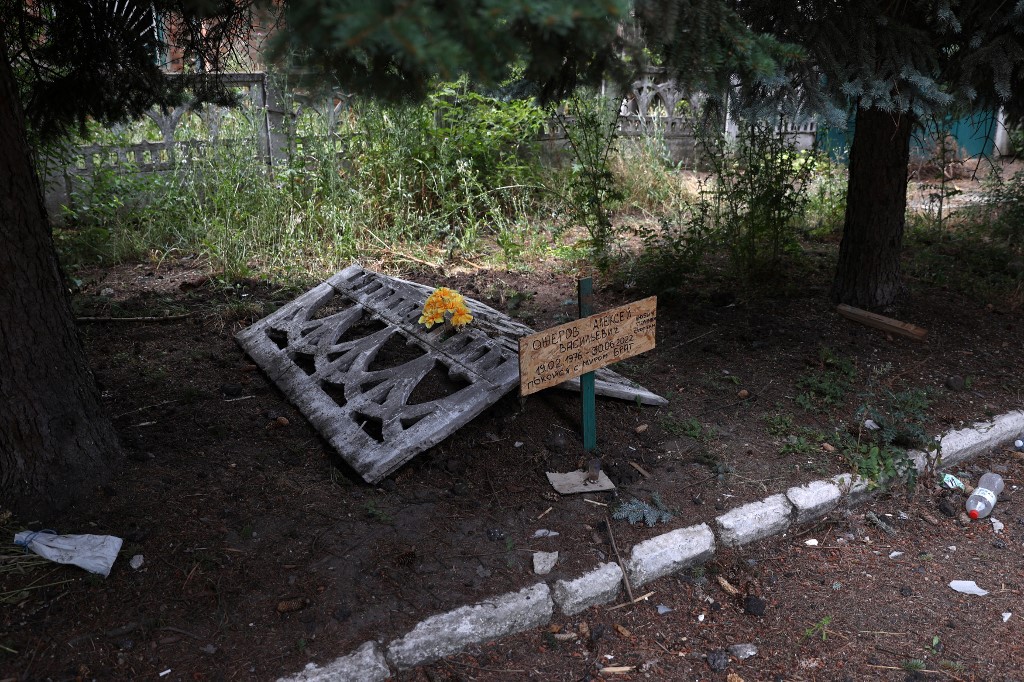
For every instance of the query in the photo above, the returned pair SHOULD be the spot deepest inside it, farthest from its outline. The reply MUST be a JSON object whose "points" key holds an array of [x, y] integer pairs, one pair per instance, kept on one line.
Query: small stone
{"points": [[281, 421], [641, 429], [998, 544], [718, 660], [556, 443], [754, 605], [543, 562], [136, 561], [948, 508], [231, 390], [743, 651], [680, 445], [106, 292], [906, 591], [743, 394], [209, 649], [955, 383], [290, 605]]}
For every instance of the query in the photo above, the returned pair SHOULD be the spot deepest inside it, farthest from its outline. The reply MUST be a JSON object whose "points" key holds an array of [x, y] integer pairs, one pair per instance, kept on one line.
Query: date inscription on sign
{"points": [[571, 350]]}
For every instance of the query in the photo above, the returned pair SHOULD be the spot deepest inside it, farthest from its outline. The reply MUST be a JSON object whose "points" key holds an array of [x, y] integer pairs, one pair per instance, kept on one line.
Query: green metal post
{"points": [[586, 302]]}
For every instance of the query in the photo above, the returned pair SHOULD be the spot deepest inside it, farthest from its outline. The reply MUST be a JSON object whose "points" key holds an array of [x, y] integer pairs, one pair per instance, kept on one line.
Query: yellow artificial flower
{"points": [[431, 318], [461, 317], [442, 302]]}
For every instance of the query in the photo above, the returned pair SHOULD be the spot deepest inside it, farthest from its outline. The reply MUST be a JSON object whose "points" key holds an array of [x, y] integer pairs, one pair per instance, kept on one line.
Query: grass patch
{"points": [[827, 387]]}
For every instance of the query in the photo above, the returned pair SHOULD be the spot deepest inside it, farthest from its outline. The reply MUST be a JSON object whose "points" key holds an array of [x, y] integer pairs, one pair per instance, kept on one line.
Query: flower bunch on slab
{"points": [[440, 304]]}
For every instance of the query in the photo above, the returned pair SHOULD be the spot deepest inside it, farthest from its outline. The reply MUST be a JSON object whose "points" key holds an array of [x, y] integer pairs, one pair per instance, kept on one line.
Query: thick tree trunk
{"points": [[55, 441], [868, 273]]}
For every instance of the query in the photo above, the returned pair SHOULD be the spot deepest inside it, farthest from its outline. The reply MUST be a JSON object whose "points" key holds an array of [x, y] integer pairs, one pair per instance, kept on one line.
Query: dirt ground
{"points": [[262, 551]]}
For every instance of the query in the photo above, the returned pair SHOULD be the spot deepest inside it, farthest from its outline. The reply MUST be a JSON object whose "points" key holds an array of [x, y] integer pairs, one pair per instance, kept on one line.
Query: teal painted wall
{"points": [[975, 135]]}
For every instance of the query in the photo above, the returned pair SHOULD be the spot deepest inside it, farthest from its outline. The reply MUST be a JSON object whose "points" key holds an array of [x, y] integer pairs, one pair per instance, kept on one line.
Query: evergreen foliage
{"points": [[393, 49], [77, 60], [917, 56], [636, 511]]}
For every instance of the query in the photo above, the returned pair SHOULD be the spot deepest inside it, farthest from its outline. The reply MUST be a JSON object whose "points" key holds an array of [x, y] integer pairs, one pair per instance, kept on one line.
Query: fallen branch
{"points": [[642, 597], [918, 670], [406, 256], [489, 670], [161, 318], [618, 557], [643, 472], [144, 407]]}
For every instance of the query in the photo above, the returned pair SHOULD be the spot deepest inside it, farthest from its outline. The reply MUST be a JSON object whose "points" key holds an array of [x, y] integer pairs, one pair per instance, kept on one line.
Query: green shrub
{"points": [[758, 195], [458, 165], [592, 189]]}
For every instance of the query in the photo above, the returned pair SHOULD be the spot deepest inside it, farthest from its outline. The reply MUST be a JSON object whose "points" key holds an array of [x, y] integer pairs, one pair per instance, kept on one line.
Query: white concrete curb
{"points": [[449, 633], [366, 664], [814, 500], [670, 553], [662, 555], [600, 586], [754, 521]]}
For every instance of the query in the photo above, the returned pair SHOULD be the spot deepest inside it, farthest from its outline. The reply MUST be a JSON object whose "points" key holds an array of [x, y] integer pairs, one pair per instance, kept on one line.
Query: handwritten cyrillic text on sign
{"points": [[570, 350]]}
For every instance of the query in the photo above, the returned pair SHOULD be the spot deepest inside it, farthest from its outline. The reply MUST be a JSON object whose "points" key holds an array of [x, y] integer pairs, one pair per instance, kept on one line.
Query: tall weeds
{"points": [[458, 169]]}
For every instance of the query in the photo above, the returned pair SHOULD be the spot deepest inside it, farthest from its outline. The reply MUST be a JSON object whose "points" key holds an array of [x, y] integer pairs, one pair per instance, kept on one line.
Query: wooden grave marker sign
{"points": [[577, 349]]}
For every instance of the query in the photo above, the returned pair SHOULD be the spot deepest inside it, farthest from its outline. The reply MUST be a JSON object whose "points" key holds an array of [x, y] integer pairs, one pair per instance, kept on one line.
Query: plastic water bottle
{"points": [[981, 501]]}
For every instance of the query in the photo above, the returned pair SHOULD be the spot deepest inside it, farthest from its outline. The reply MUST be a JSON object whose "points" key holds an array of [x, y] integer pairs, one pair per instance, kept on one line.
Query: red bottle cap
{"points": [[973, 513]]}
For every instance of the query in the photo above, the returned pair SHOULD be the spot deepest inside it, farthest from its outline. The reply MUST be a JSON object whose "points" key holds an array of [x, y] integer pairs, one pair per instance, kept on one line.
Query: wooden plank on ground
{"points": [[904, 329]]}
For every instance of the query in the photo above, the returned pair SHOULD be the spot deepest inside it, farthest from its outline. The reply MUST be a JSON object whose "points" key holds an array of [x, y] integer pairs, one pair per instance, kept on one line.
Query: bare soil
{"points": [[263, 552]]}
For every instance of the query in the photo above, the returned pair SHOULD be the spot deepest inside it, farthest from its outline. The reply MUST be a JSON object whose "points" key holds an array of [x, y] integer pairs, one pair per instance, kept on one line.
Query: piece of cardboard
{"points": [[576, 482]]}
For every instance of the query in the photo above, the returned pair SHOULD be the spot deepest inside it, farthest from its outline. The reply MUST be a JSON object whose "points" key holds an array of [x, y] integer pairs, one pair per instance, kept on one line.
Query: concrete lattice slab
{"points": [[380, 387]]}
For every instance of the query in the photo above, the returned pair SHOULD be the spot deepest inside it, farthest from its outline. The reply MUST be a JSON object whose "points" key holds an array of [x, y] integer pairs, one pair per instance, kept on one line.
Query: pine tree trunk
{"points": [[55, 441], [868, 273]]}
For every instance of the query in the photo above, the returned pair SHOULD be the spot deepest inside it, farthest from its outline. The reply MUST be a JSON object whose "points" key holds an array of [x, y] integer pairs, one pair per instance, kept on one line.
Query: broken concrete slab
{"points": [[367, 664], [543, 562], [377, 385]]}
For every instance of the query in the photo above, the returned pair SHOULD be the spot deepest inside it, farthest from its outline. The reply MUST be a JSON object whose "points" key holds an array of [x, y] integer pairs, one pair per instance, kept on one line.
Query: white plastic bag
{"points": [[94, 553]]}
